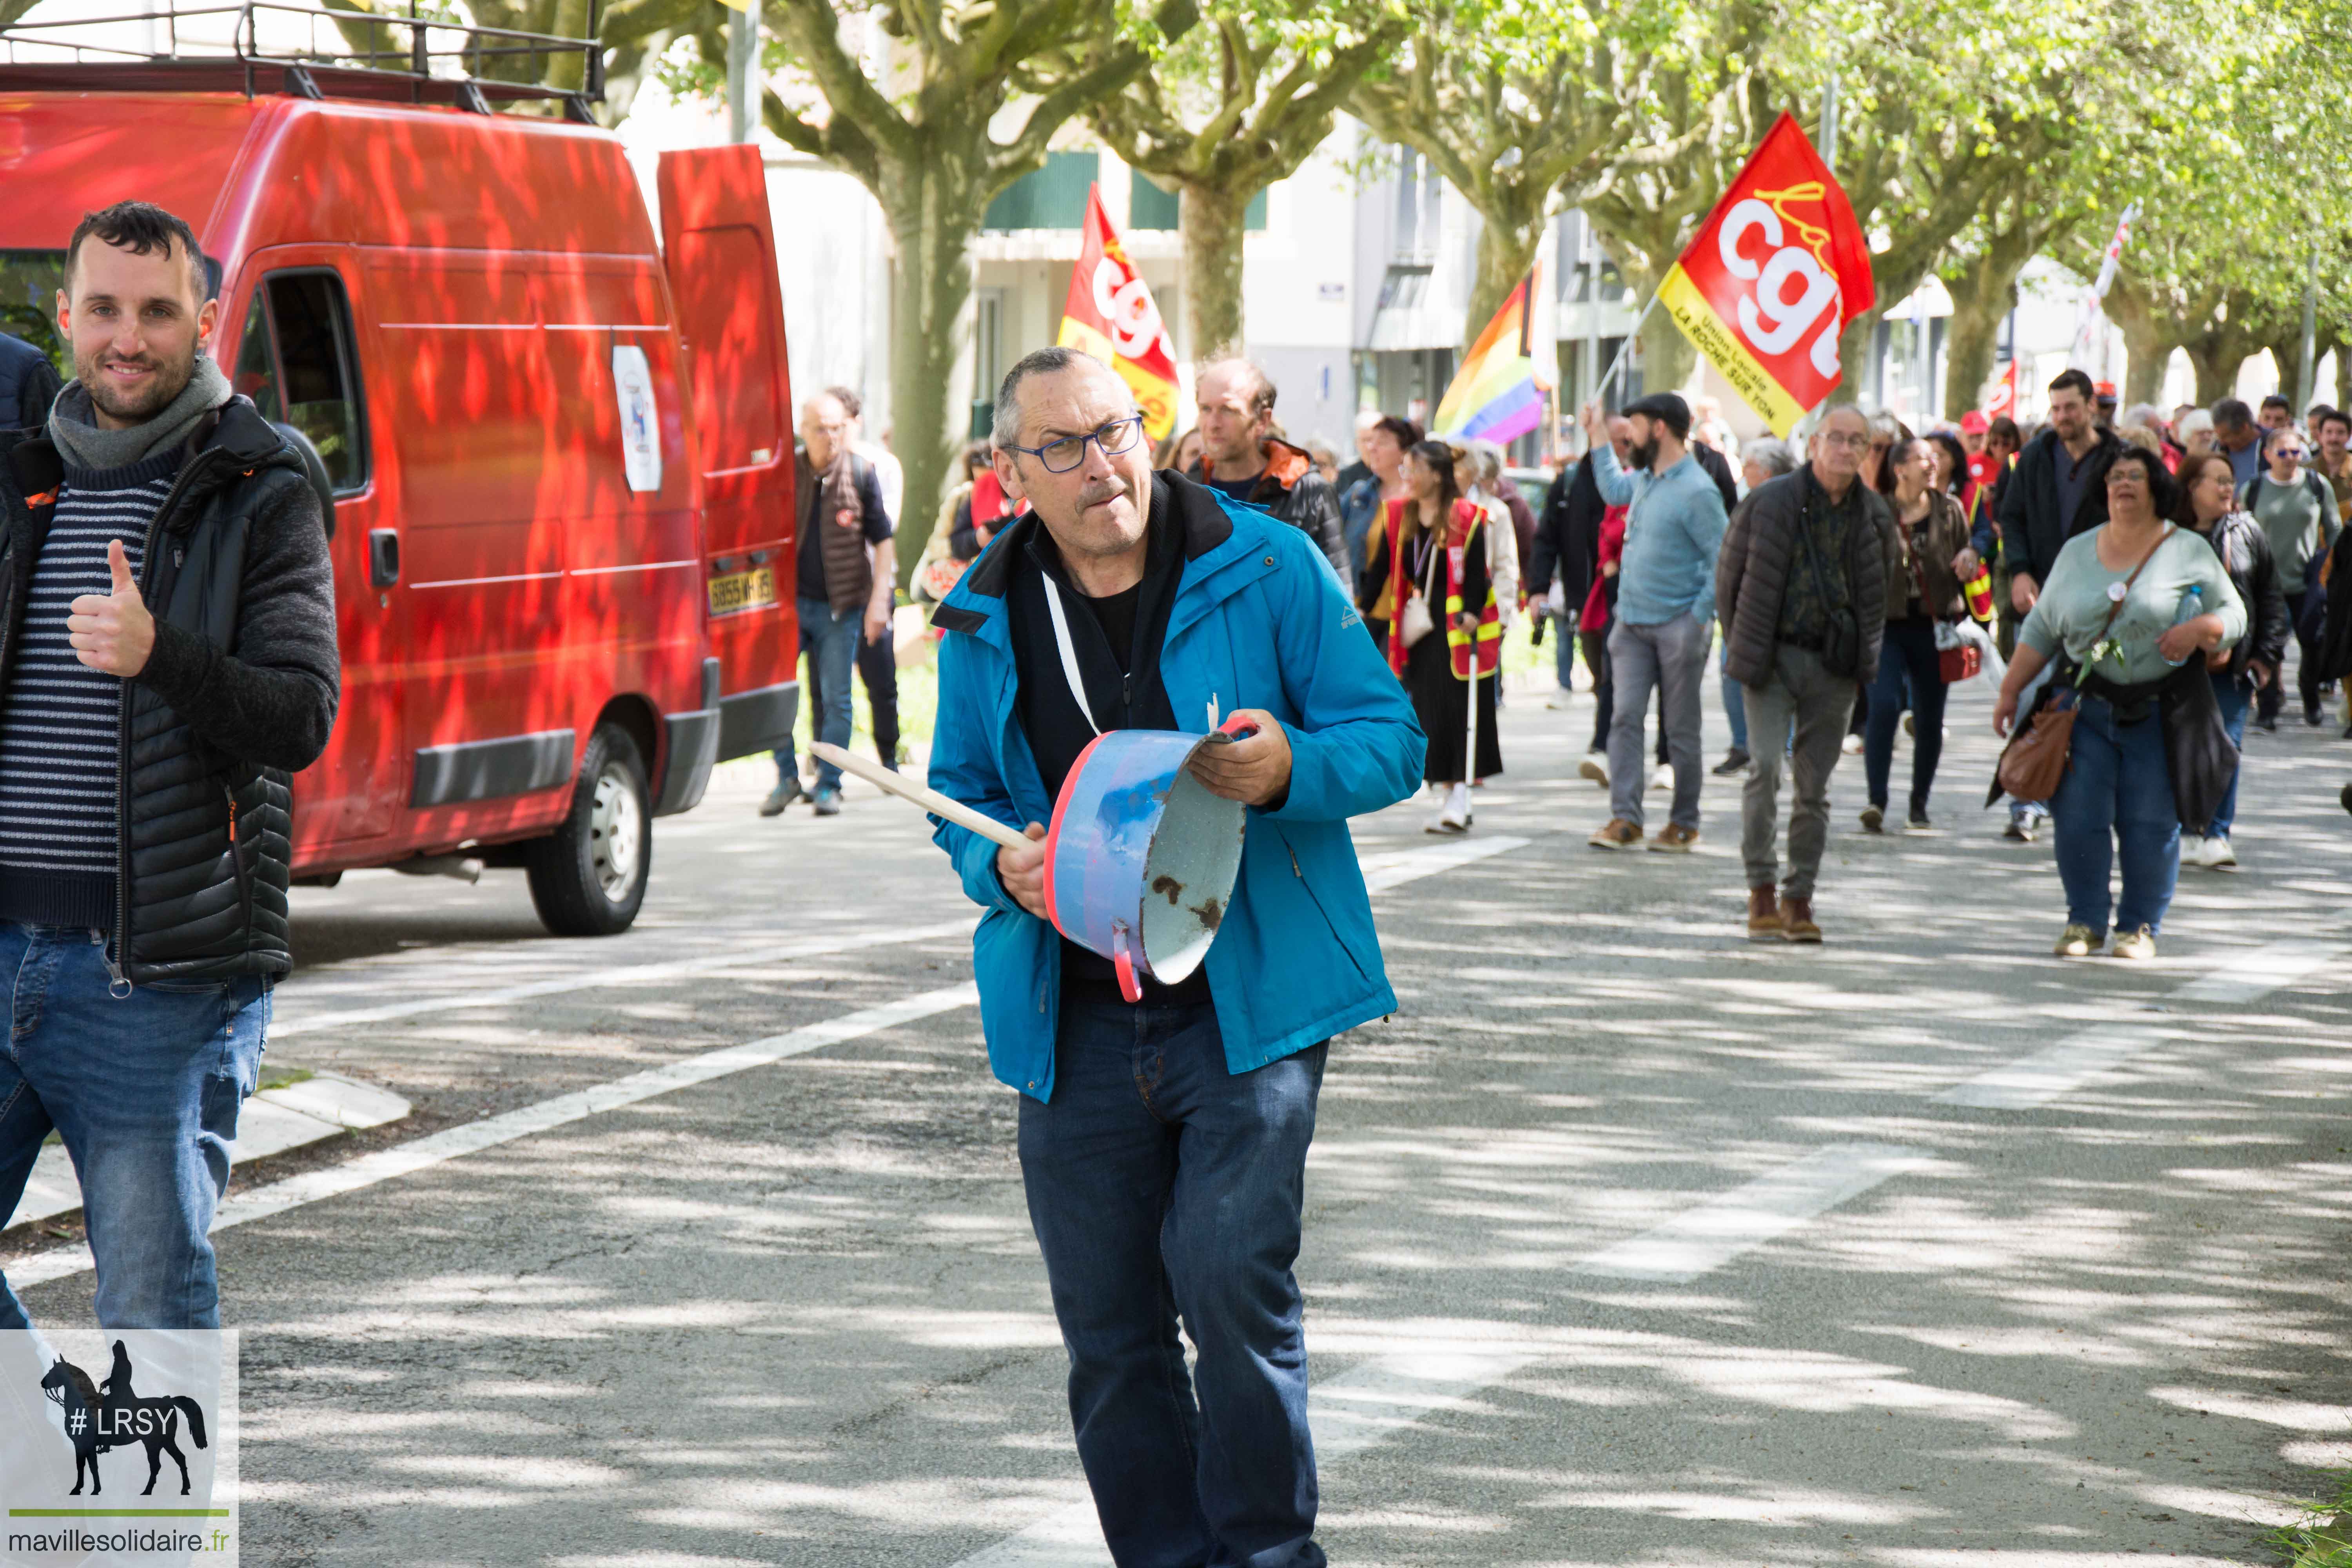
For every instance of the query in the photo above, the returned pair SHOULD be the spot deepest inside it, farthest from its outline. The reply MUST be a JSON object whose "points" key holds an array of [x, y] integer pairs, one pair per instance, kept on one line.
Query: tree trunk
{"points": [[2216, 364], [1668, 357], [2344, 375], [2288, 354], [932, 224], [1972, 341], [2144, 371], [1857, 357], [1210, 219], [1507, 248], [1644, 251]]}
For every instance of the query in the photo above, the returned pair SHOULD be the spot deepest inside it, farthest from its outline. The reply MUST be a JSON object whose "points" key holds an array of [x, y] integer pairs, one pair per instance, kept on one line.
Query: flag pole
{"points": [[1632, 336]]}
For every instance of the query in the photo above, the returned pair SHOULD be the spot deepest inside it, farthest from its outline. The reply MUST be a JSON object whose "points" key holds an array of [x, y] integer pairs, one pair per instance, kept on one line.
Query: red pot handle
{"points": [[1123, 959]]}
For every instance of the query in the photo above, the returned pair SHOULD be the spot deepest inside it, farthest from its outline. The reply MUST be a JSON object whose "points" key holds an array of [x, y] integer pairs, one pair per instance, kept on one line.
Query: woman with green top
{"points": [[2127, 612]]}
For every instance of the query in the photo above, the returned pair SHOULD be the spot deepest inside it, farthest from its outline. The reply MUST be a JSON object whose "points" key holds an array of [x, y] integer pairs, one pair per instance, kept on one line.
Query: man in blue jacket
{"points": [[1163, 1143]]}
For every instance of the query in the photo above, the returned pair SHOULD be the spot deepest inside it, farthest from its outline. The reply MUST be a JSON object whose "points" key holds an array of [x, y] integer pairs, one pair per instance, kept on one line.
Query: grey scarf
{"points": [[74, 428]]}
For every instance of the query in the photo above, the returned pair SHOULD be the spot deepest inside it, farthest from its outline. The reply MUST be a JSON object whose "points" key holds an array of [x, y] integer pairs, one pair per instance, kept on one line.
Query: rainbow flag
{"points": [[1495, 396]]}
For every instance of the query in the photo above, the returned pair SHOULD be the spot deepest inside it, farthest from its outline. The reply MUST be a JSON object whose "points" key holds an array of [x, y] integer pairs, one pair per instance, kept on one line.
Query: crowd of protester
{"points": [[2144, 572]]}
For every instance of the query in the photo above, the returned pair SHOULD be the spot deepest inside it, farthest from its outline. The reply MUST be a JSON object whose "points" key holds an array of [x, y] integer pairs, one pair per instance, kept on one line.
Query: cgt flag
{"points": [[1772, 279], [1111, 315]]}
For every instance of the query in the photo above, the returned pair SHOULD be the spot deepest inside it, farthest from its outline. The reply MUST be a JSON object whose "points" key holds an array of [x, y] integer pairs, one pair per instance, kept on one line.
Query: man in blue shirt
{"points": [[2239, 438], [1666, 601]]}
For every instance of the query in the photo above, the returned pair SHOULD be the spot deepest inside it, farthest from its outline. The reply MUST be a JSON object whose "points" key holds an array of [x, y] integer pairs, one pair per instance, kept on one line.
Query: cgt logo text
{"points": [[118, 1447]]}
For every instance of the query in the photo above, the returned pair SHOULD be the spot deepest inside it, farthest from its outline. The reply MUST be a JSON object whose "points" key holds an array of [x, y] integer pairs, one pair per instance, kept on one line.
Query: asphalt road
{"points": [[1628, 1242]]}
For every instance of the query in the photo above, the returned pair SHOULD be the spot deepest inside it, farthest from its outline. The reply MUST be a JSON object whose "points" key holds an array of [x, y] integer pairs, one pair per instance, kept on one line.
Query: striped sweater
{"points": [[59, 718]]}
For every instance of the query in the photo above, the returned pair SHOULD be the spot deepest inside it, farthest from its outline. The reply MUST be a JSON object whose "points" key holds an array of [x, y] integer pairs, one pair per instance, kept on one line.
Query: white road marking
{"points": [[386, 1164], [1382, 872], [1720, 1229], [2041, 1077], [2264, 971], [628, 975], [1389, 868], [1349, 1414], [291, 1116], [2053, 1070], [406, 1159]]}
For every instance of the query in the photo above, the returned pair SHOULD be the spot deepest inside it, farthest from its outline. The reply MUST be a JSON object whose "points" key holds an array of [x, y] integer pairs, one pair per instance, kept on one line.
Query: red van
{"points": [[560, 453]]}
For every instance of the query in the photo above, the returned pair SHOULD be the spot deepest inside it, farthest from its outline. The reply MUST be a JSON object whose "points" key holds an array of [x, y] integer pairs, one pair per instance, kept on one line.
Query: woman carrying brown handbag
{"points": [[2118, 616]]}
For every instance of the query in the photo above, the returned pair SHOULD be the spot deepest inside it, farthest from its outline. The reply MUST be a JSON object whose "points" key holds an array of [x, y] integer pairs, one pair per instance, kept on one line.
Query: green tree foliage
{"points": [[935, 106], [633, 33], [1529, 105], [1712, 104], [2226, 240], [1234, 105]]}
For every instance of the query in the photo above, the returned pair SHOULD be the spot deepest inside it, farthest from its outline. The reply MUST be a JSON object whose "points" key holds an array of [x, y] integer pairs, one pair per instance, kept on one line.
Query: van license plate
{"points": [[742, 590]]}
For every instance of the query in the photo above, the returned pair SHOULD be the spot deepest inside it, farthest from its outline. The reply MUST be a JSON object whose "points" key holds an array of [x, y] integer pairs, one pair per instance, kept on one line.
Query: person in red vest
{"points": [[1446, 621]]}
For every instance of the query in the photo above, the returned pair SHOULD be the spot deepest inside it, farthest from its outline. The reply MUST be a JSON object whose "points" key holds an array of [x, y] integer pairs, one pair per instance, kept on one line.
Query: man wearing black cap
{"points": [[1665, 605]]}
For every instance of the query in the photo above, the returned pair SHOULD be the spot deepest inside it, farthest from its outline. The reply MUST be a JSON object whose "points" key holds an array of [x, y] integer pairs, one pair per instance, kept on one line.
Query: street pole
{"points": [[1625, 347], [1591, 255], [744, 72], [2309, 378], [1825, 142]]}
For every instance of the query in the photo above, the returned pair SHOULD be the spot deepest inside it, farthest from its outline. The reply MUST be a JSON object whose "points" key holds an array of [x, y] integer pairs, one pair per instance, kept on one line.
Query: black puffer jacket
{"points": [[2245, 552], [29, 385], [1568, 539], [2031, 531], [1295, 491], [1760, 551], [238, 694]]}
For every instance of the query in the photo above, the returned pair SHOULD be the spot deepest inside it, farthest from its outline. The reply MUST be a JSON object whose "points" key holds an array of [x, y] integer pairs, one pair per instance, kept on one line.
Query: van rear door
{"points": [[720, 251]]}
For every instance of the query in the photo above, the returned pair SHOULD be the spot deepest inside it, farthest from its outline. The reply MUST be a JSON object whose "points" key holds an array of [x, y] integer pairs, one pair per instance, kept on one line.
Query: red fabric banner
{"points": [[1112, 315], [1772, 277]]}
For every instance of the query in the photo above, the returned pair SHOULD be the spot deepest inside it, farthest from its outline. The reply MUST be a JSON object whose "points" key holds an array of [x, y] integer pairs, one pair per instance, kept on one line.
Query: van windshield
{"points": [[30, 280]]}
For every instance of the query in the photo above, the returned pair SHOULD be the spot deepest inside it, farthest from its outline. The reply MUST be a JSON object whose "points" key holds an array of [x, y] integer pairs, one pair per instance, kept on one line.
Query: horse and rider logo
{"points": [[113, 1416]]}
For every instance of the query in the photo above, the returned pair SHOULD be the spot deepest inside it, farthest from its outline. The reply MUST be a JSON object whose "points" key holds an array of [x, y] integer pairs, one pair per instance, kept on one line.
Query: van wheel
{"points": [[588, 878]]}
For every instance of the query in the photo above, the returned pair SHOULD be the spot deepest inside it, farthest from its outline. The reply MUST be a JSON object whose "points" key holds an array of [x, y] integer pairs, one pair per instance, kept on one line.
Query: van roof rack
{"points": [[278, 47]]}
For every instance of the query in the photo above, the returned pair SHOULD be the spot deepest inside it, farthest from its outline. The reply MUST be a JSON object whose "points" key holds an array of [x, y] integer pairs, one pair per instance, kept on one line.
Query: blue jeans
{"points": [[2235, 700], [1160, 1184], [1910, 670], [1735, 707], [145, 1091], [831, 642], [2117, 790]]}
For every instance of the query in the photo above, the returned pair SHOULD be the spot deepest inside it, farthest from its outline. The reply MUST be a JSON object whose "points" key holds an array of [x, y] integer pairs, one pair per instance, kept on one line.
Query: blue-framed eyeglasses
{"points": [[1060, 457]]}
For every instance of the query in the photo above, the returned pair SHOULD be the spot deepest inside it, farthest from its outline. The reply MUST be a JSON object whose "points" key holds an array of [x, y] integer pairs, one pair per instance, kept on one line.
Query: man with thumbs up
{"points": [[167, 658]]}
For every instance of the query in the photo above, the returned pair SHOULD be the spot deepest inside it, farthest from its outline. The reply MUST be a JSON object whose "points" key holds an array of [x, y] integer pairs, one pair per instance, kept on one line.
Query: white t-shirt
{"points": [[888, 474]]}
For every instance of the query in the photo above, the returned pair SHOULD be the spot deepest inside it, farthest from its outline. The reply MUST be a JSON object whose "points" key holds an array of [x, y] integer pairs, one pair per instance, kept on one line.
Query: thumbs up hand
{"points": [[114, 633]]}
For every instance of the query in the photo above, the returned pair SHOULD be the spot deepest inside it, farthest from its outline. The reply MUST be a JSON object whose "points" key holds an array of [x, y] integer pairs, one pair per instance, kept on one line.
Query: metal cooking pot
{"points": [[1140, 857]]}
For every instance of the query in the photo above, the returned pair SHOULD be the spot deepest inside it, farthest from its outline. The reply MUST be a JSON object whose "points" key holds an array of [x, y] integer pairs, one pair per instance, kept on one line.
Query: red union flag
{"points": [[1772, 277], [1111, 315], [2004, 393]]}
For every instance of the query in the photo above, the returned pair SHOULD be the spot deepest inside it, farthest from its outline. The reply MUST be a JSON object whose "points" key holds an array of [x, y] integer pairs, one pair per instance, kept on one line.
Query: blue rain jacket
{"points": [[1259, 621]]}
